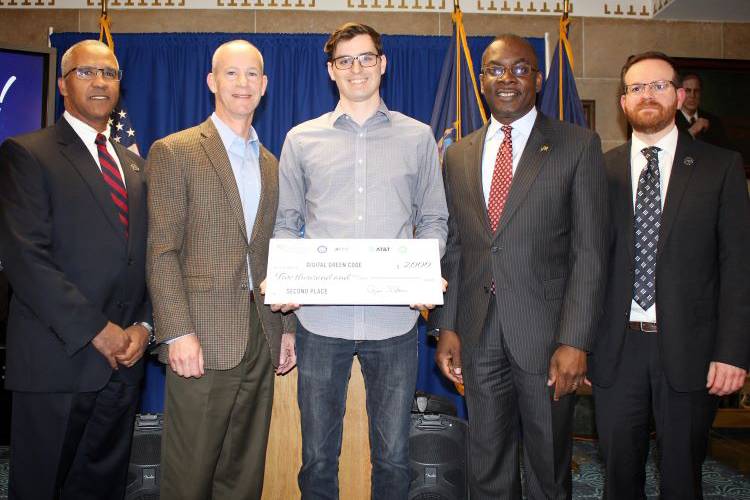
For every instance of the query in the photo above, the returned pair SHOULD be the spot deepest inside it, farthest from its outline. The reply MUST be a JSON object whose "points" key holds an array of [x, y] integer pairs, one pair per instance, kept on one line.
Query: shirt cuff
{"points": [[172, 340]]}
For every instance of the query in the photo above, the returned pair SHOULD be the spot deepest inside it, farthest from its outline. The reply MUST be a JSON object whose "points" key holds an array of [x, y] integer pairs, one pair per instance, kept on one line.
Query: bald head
{"points": [[511, 40], [232, 47], [67, 63]]}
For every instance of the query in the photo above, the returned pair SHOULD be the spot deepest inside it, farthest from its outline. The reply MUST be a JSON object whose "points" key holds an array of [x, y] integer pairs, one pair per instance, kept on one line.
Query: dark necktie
{"points": [[692, 120], [502, 176], [646, 229], [113, 179]]}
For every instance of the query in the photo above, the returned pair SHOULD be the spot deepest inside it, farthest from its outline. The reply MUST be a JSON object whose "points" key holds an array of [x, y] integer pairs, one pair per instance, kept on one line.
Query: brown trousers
{"points": [[216, 428]]}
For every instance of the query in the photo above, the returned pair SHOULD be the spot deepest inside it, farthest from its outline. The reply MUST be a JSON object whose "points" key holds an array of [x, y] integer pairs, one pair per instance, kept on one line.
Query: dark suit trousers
{"points": [[216, 428], [623, 411], [72, 445], [505, 402]]}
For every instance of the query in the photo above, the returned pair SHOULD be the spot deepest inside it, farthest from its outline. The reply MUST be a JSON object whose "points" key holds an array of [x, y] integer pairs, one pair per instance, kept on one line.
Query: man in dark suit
{"points": [[73, 246], [695, 120], [525, 269], [674, 335]]}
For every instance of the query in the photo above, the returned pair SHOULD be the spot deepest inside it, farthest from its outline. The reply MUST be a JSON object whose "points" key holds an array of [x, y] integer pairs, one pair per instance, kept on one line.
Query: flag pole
{"points": [[105, 27]]}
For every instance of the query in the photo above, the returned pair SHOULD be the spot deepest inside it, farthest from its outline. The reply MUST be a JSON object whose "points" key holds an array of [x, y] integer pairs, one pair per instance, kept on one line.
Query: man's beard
{"points": [[653, 123]]}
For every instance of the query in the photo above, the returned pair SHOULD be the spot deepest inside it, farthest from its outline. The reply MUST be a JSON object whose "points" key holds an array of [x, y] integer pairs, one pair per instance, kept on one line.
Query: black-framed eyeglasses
{"points": [[366, 60], [657, 87], [519, 70], [90, 72]]}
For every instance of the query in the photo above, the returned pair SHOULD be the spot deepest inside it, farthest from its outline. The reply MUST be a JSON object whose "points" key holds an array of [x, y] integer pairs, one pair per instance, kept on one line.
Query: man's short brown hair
{"points": [[349, 31], [643, 56]]}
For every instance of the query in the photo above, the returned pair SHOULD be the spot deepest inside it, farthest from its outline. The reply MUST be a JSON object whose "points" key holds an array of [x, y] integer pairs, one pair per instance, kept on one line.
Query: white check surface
{"points": [[354, 272]]}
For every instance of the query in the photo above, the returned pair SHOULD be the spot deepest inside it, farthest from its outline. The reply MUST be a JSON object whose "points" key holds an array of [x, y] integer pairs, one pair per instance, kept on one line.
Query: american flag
{"points": [[121, 128]]}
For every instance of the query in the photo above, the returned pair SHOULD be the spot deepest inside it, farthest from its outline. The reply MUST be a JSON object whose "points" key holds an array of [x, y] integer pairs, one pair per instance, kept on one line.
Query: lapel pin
{"points": [[688, 160], [134, 167], [544, 148]]}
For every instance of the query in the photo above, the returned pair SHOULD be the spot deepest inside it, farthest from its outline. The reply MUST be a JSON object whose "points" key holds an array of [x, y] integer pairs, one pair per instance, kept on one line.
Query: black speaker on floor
{"points": [[145, 459], [437, 457]]}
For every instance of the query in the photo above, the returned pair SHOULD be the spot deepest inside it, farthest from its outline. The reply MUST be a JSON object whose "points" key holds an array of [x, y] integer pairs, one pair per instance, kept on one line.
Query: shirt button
{"points": [[361, 134], [359, 217], [359, 161], [360, 189]]}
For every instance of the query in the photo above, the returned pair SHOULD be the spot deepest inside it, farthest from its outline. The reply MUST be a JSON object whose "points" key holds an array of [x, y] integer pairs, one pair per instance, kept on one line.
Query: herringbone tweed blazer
{"points": [[198, 245], [548, 254]]}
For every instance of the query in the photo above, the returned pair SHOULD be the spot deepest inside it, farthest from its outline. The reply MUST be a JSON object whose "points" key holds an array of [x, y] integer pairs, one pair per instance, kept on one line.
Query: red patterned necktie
{"points": [[502, 176], [113, 179]]}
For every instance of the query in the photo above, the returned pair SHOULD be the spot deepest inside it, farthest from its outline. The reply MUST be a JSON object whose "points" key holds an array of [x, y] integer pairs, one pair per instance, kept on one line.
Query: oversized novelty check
{"points": [[353, 271]]}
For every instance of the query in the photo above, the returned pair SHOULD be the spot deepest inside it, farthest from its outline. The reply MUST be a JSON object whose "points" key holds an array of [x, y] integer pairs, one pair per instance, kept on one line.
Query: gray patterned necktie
{"points": [[646, 226]]}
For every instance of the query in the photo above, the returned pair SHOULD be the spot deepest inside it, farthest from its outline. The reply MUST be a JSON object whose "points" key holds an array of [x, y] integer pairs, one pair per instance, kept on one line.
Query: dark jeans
{"points": [[389, 368]]}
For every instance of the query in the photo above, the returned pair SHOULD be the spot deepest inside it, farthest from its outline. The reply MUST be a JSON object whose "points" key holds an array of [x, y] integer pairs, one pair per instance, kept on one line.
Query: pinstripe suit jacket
{"points": [[547, 256], [198, 244], [68, 260]]}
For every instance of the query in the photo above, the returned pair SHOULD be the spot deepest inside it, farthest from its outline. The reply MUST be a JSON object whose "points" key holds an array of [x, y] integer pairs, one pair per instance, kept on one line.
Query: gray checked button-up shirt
{"points": [[380, 180]]}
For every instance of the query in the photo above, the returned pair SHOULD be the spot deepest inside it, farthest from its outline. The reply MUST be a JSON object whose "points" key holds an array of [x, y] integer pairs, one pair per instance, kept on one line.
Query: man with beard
{"points": [[677, 309], [525, 269]]}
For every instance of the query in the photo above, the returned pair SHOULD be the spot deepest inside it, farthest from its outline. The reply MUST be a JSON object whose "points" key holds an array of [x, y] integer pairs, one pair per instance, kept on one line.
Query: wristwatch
{"points": [[150, 330]]}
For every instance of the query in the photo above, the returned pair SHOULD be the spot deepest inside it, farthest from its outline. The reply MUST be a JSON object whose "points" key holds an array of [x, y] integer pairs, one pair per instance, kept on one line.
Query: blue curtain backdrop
{"points": [[164, 84]]}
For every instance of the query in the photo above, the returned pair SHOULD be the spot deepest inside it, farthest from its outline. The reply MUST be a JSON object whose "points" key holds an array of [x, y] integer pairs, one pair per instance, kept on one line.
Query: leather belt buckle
{"points": [[643, 326]]}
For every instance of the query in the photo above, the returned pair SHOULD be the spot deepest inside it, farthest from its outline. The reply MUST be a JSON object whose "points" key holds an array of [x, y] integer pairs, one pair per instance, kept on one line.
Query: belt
{"points": [[643, 326]]}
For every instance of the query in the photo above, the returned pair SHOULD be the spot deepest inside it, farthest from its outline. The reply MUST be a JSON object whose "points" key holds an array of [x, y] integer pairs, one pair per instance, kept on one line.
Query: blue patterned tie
{"points": [[646, 226]]}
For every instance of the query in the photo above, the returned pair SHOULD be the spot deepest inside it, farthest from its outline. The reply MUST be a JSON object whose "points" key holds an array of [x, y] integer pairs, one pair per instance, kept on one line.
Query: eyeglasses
{"points": [[657, 87], [366, 60], [89, 73], [518, 70]]}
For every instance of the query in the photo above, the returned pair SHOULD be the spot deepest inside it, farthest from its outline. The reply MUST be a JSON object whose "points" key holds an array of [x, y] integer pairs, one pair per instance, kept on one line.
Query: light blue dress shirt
{"points": [[244, 157]]}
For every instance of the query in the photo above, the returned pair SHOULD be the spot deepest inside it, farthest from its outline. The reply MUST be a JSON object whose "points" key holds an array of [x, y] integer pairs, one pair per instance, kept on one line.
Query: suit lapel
{"points": [[73, 149], [473, 161], [682, 169], [624, 193], [219, 159], [133, 184], [534, 156], [266, 182]]}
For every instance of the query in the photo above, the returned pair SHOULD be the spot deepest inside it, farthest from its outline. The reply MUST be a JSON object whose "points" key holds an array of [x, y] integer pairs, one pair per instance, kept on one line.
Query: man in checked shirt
{"points": [[359, 171]]}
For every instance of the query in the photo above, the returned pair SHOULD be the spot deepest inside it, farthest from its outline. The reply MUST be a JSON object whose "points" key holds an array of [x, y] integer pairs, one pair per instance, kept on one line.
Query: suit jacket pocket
{"points": [[198, 283], [554, 288]]}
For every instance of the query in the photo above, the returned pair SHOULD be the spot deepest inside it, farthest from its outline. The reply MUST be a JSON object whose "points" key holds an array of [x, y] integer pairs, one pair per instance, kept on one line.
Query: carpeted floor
{"points": [[719, 481]]}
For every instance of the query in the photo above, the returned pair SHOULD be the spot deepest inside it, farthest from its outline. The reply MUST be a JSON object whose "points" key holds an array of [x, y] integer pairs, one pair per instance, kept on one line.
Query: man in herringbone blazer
{"points": [[213, 199], [525, 267]]}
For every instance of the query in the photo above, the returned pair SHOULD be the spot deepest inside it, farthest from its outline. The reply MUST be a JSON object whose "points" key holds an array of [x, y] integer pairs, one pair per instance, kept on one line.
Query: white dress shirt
{"points": [[88, 136], [667, 146], [519, 135]]}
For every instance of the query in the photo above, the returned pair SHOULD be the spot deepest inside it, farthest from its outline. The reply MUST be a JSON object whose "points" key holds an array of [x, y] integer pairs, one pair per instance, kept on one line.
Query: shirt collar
{"points": [[233, 141], [687, 116], [667, 144], [522, 125], [85, 131], [338, 112]]}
